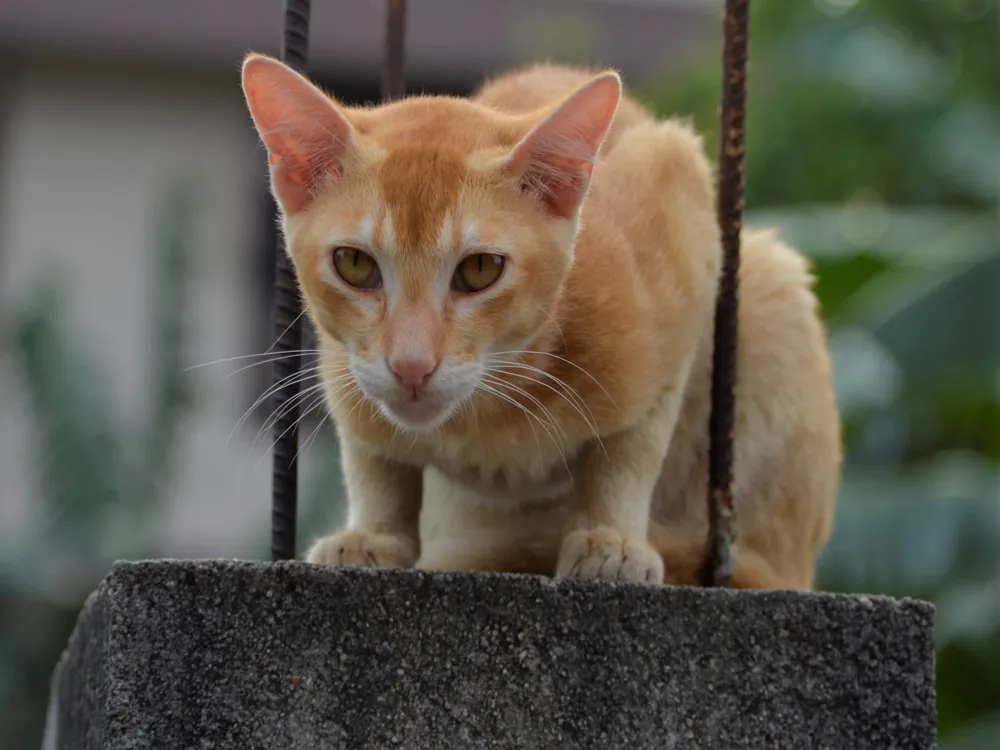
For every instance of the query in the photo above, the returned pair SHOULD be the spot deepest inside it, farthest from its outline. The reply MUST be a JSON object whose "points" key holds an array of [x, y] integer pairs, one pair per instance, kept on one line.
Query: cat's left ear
{"points": [[555, 159]]}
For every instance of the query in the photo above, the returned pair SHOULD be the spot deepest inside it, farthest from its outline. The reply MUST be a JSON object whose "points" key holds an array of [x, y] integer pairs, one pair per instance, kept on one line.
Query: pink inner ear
{"points": [[558, 182], [555, 160], [305, 134]]}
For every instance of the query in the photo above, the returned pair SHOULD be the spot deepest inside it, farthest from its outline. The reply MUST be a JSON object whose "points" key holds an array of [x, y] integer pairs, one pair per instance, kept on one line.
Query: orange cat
{"points": [[514, 298]]}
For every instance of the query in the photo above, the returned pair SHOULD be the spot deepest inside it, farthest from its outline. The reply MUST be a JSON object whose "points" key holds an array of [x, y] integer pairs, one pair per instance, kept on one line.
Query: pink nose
{"points": [[412, 373]]}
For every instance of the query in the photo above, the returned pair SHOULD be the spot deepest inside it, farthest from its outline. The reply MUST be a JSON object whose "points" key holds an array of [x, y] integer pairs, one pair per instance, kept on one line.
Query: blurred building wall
{"points": [[88, 154]]}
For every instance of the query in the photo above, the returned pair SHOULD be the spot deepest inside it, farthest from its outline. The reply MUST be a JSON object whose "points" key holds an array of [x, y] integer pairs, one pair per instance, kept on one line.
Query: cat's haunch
{"points": [[513, 295]]}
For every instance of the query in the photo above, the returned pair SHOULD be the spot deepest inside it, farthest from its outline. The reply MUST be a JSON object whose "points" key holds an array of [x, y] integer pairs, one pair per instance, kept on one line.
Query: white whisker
{"points": [[490, 390], [312, 436], [315, 403], [287, 407], [562, 359], [568, 392], [287, 329], [274, 358], [288, 381], [570, 396], [560, 446], [315, 432], [553, 422], [267, 354]]}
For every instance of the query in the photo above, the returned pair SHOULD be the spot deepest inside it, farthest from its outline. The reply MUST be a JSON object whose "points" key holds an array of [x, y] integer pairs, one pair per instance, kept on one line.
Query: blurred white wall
{"points": [[87, 154]]}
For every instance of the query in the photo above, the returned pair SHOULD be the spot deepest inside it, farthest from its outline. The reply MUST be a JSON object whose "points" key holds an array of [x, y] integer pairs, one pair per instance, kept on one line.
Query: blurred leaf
{"points": [[936, 237], [883, 64], [838, 279], [980, 734], [969, 612], [866, 376], [965, 145], [171, 389], [77, 447], [968, 691], [954, 314], [913, 533]]}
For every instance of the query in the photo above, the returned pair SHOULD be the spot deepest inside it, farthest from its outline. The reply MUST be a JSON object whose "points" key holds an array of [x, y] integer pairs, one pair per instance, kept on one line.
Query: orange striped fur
{"points": [[555, 420]]}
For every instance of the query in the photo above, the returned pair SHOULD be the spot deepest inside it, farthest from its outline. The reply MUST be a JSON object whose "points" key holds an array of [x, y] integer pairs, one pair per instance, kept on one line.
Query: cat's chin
{"points": [[418, 414]]}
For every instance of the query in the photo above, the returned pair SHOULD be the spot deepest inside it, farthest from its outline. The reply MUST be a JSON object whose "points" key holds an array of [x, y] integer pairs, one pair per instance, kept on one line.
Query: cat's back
{"points": [[782, 352], [787, 443], [532, 88], [642, 287]]}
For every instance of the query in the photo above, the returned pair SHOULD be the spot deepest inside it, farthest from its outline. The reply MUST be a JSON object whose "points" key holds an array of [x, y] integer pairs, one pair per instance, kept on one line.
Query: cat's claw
{"points": [[606, 554], [363, 549]]}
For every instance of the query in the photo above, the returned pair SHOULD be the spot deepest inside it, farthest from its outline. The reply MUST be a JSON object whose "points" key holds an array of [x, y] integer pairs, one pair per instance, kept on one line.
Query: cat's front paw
{"points": [[364, 549], [604, 553]]}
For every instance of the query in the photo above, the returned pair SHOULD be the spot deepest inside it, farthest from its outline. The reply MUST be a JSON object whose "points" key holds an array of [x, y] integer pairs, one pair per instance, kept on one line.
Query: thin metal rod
{"points": [[393, 82], [288, 329], [721, 537]]}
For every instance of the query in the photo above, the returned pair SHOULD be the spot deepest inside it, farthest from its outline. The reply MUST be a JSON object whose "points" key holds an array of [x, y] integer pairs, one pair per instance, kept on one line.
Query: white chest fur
{"points": [[501, 470]]}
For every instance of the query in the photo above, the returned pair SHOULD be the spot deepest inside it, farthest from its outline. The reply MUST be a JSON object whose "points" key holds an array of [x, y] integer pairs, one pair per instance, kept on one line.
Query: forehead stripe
{"points": [[418, 186]]}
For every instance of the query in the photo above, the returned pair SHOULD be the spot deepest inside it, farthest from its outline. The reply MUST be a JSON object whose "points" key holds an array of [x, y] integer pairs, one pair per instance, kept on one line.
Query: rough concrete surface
{"points": [[240, 656]]}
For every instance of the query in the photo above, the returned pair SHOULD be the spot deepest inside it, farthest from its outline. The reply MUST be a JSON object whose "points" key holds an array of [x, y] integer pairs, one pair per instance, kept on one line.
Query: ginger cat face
{"points": [[429, 235]]}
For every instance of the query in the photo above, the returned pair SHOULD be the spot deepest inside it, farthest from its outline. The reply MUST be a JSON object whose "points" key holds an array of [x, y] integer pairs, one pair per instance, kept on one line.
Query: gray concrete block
{"points": [[243, 655]]}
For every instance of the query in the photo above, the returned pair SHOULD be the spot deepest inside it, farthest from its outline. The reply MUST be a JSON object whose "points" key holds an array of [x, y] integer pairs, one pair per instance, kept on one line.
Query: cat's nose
{"points": [[413, 372]]}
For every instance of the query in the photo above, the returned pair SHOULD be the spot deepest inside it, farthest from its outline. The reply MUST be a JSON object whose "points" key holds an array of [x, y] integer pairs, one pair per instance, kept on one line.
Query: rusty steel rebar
{"points": [[288, 346], [721, 536], [393, 82]]}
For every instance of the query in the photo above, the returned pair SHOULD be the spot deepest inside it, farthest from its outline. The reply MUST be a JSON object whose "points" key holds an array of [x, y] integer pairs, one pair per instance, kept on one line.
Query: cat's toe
{"points": [[364, 549], [606, 554]]}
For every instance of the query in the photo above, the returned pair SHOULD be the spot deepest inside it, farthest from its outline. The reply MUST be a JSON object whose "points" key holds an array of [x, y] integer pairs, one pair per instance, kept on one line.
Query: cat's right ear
{"points": [[306, 136]]}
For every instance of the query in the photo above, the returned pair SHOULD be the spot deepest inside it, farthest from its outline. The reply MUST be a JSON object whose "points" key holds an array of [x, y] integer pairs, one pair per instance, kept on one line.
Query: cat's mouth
{"points": [[418, 410]]}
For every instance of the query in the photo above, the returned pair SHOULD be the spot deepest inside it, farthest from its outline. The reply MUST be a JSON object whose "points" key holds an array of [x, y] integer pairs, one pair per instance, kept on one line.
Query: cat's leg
{"points": [[383, 499], [684, 553], [607, 533], [536, 559], [459, 532]]}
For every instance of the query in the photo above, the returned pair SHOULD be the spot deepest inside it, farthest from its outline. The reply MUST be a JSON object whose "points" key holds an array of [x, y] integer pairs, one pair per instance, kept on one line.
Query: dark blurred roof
{"points": [[449, 39]]}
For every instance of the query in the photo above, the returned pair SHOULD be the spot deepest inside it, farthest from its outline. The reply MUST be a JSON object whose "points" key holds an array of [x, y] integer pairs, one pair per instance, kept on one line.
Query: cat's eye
{"points": [[477, 272], [357, 268]]}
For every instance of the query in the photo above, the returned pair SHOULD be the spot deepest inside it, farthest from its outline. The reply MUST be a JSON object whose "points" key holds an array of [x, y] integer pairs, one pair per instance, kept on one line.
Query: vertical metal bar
{"points": [[393, 83], [721, 536], [287, 327]]}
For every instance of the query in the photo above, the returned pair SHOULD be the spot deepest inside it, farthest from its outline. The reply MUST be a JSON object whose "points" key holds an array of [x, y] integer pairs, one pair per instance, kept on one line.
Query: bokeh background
{"points": [[136, 241]]}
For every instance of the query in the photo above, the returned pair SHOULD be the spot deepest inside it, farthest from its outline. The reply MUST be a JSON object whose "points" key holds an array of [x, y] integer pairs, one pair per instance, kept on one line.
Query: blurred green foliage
{"points": [[873, 142]]}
